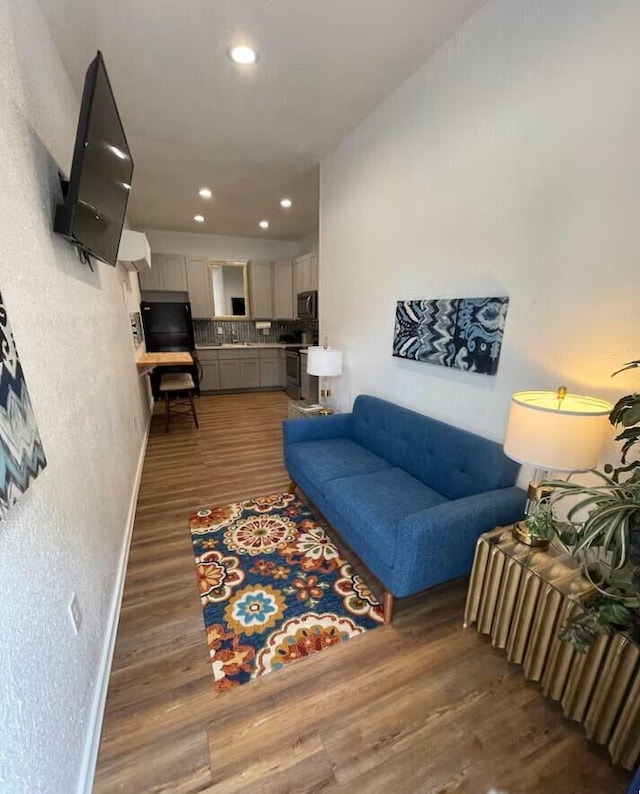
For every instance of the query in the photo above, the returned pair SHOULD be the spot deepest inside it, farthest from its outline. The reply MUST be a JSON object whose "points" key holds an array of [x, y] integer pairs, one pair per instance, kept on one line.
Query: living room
{"points": [[507, 164]]}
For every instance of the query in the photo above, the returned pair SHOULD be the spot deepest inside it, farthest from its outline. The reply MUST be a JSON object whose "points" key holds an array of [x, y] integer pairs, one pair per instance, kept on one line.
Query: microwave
{"points": [[308, 305]]}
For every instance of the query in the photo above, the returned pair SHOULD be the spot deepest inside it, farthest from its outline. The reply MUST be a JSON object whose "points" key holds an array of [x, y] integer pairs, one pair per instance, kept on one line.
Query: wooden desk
{"points": [[147, 361], [521, 597]]}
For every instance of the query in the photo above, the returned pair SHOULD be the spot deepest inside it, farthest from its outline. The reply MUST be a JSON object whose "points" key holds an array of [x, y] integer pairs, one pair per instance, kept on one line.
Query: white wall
{"points": [[509, 164], [308, 243], [72, 332], [217, 246]]}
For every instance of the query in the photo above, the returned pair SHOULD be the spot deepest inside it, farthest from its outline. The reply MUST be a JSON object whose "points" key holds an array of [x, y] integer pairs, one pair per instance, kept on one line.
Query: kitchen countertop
{"points": [[147, 361]]}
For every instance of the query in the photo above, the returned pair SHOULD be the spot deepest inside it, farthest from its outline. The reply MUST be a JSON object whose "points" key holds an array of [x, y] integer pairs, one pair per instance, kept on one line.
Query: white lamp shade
{"points": [[556, 435], [326, 362]]}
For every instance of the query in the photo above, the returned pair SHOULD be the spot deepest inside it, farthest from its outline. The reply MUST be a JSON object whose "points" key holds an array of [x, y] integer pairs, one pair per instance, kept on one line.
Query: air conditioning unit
{"points": [[134, 252]]}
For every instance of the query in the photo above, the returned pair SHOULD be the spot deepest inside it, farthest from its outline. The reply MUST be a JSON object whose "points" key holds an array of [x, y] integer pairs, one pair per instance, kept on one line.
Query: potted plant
{"points": [[602, 528]]}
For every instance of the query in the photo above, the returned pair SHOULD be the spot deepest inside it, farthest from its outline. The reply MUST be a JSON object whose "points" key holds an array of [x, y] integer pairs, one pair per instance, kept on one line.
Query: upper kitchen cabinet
{"points": [[199, 288], [283, 302], [168, 272], [260, 290], [305, 274]]}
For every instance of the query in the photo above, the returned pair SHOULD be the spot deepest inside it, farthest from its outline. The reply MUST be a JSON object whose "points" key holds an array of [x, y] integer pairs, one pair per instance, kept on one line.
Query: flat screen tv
{"points": [[96, 195]]}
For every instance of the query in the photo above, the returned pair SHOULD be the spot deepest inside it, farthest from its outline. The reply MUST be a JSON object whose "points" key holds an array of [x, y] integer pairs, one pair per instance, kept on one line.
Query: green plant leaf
{"points": [[617, 614], [632, 415], [629, 365]]}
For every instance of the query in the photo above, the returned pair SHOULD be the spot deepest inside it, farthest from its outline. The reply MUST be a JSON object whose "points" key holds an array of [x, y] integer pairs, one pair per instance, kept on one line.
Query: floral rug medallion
{"points": [[273, 587]]}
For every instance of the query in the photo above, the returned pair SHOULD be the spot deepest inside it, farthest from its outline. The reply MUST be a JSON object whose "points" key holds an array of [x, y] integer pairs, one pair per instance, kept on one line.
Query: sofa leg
{"points": [[387, 606], [292, 486]]}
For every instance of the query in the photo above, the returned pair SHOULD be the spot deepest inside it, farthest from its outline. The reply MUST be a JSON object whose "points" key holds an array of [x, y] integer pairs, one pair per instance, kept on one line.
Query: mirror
{"points": [[229, 290]]}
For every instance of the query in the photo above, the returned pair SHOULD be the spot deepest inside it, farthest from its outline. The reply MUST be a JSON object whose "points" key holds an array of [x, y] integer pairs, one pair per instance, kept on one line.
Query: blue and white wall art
{"points": [[465, 333], [21, 453]]}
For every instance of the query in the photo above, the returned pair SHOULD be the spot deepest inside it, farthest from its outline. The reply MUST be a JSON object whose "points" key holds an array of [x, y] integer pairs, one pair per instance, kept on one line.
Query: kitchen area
{"points": [[247, 324]]}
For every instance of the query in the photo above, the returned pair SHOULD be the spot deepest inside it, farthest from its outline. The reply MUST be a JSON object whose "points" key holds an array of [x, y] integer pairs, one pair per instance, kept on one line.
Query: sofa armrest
{"points": [[439, 541], [315, 428]]}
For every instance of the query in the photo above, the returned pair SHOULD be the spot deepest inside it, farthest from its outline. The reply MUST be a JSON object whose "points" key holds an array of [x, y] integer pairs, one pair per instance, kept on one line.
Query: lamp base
{"points": [[520, 532]]}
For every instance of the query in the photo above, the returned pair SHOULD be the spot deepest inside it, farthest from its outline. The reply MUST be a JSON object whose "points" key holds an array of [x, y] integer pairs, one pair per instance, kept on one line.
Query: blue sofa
{"points": [[408, 494]]}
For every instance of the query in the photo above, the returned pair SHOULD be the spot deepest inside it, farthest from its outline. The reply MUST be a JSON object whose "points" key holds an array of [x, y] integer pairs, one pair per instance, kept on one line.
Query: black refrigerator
{"points": [[168, 328]]}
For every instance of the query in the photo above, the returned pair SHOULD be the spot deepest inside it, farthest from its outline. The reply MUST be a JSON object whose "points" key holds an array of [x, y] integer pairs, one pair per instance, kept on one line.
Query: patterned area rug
{"points": [[273, 587]]}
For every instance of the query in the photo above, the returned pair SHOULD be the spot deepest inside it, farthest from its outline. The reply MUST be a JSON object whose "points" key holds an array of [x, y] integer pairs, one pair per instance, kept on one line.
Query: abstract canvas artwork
{"points": [[465, 333], [21, 453]]}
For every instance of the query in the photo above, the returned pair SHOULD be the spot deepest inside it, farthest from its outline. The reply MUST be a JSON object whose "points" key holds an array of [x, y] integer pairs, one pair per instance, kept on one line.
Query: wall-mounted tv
{"points": [[96, 195]]}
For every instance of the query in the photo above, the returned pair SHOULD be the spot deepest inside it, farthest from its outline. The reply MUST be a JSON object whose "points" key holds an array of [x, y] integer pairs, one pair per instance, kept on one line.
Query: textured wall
{"points": [[72, 332], [507, 165]]}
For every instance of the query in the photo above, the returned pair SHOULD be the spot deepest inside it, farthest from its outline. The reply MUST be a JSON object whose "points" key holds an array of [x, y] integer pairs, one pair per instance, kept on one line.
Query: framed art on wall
{"points": [[21, 454], [464, 333]]}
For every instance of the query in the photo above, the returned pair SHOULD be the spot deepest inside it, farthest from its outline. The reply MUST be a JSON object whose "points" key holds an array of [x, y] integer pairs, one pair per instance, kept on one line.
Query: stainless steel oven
{"points": [[293, 373]]}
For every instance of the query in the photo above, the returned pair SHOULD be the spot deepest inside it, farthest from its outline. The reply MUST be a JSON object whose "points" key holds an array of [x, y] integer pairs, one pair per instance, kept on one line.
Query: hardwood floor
{"points": [[418, 706]]}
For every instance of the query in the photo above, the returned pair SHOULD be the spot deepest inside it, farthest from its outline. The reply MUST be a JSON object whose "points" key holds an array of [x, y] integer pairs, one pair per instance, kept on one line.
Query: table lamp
{"points": [[553, 432], [325, 362]]}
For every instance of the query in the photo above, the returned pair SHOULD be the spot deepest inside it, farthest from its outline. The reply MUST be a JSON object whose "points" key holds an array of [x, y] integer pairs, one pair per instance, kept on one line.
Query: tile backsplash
{"points": [[206, 331]]}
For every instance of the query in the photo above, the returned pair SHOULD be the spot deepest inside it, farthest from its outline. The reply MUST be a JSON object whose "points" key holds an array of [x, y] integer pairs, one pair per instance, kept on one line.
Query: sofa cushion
{"points": [[452, 461], [374, 503], [330, 458]]}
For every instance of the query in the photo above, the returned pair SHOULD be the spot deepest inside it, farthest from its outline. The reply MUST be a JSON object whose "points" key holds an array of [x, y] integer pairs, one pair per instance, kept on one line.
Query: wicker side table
{"points": [[520, 597]]}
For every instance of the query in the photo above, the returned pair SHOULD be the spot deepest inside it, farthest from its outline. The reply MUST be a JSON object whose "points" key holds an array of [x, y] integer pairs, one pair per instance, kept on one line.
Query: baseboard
{"points": [[94, 730]]}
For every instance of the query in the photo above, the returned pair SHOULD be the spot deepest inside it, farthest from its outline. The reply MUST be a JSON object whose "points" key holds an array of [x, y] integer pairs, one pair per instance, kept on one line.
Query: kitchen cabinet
{"points": [[240, 374], [249, 373], [245, 368], [283, 300], [239, 369], [260, 290], [151, 279], [168, 272], [210, 376], [174, 273], [230, 374], [210, 380], [199, 288], [270, 368], [305, 274]]}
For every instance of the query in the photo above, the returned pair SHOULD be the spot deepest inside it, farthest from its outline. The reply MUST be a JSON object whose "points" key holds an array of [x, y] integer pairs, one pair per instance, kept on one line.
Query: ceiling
{"points": [[253, 134]]}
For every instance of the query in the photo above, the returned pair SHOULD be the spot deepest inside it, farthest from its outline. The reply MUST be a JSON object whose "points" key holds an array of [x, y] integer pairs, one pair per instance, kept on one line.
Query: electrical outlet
{"points": [[75, 614], [220, 331]]}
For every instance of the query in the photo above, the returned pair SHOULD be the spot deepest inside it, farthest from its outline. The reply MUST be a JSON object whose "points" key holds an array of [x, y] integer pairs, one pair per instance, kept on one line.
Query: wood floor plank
{"points": [[418, 706]]}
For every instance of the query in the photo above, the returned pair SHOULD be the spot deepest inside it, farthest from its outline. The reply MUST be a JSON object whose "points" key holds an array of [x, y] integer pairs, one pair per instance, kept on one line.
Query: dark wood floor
{"points": [[418, 706]]}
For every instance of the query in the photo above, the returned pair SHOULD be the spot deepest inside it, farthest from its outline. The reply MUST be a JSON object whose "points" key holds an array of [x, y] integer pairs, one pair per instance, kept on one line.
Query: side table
{"points": [[301, 409], [520, 597]]}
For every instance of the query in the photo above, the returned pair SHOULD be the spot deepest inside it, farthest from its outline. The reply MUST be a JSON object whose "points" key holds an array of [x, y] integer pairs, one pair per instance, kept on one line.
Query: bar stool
{"points": [[172, 384]]}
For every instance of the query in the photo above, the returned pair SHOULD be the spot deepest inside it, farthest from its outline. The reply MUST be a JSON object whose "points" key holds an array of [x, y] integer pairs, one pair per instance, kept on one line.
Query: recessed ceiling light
{"points": [[118, 152], [205, 193], [286, 203], [198, 218], [264, 224], [243, 55]]}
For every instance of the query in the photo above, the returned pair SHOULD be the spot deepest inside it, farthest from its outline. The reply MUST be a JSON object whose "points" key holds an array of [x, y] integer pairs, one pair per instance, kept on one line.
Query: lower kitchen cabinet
{"points": [[270, 373], [244, 369], [230, 374], [210, 376], [250, 373], [240, 373]]}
